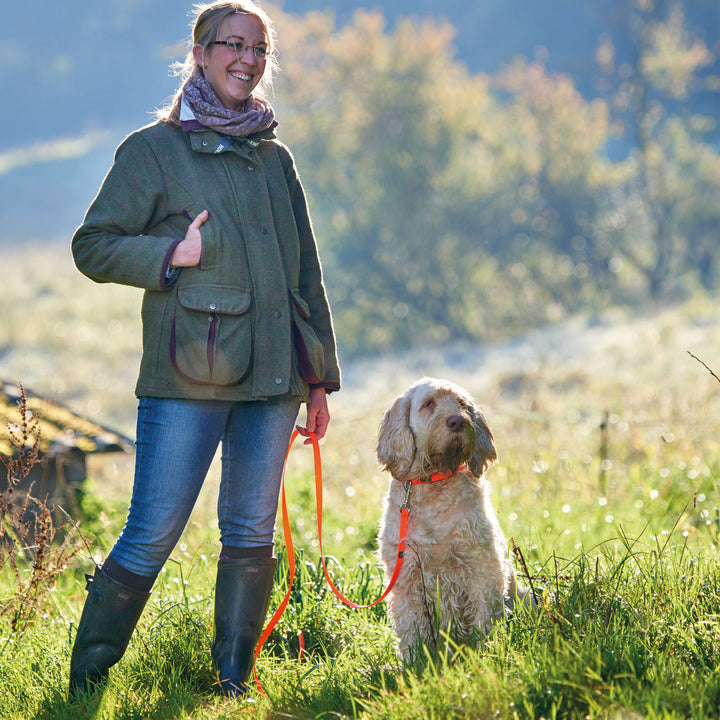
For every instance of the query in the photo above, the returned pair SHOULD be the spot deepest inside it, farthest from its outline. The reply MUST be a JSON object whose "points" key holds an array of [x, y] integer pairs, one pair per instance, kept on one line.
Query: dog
{"points": [[456, 576]]}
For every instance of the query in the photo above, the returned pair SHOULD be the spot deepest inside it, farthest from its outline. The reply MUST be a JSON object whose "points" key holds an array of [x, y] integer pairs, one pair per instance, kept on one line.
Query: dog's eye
{"points": [[429, 404]]}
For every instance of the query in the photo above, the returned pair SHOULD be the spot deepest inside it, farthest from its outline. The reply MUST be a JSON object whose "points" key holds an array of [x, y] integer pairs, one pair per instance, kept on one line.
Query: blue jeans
{"points": [[176, 442]]}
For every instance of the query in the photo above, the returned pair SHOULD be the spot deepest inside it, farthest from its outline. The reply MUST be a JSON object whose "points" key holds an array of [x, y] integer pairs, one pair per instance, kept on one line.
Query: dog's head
{"points": [[434, 427]]}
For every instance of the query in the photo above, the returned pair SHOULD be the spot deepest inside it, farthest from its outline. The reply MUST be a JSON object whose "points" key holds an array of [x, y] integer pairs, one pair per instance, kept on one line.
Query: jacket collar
{"points": [[206, 140]]}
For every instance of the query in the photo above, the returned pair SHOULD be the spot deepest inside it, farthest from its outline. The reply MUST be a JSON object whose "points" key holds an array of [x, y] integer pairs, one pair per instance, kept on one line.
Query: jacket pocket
{"points": [[308, 348], [211, 337]]}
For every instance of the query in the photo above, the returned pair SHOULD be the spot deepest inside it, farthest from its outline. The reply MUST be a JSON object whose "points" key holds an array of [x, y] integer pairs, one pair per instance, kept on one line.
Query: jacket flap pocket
{"points": [[300, 304], [215, 299]]}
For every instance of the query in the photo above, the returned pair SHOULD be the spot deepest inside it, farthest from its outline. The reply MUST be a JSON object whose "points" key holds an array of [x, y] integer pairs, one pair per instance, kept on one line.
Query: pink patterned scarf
{"points": [[209, 112]]}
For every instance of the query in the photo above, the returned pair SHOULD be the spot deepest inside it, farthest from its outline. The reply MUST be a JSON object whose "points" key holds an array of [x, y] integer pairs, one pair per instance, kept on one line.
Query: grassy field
{"points": [[608, 481]]}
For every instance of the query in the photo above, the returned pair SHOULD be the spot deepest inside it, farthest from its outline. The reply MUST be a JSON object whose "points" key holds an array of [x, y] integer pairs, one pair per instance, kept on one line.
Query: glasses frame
{"points": [[258, 51]]}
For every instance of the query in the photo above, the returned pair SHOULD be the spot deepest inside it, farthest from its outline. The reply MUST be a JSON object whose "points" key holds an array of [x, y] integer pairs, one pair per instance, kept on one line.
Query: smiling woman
{"points": [[204, 210], [224, 31], [234, 65]]}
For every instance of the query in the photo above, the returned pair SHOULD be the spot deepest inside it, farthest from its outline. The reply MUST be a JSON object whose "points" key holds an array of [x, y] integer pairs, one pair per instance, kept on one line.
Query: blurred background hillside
{"points": [[474, 169]]}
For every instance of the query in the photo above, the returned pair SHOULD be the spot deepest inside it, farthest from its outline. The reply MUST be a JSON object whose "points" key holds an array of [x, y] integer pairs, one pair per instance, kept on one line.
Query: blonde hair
{"points": [[207, 19]]}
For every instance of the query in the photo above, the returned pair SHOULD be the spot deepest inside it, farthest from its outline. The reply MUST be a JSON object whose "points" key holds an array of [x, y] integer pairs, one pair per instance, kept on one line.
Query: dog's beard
{"points": [[453, 453]]}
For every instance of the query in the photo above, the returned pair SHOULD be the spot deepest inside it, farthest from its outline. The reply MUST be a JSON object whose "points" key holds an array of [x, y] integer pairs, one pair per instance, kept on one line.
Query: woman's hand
{"points": [[187, 252], [318, 416]]}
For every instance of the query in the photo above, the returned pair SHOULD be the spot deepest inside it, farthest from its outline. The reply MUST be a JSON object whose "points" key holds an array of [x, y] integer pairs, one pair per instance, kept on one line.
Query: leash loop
{"points": [[404, 515]]}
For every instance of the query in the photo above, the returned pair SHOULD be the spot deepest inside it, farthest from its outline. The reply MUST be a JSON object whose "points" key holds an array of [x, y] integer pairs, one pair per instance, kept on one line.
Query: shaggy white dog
{"points": [[456, 575]]}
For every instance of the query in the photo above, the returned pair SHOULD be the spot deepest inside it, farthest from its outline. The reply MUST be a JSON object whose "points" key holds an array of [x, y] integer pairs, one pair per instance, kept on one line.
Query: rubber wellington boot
{"points": [[108, 619], [242, 596]]}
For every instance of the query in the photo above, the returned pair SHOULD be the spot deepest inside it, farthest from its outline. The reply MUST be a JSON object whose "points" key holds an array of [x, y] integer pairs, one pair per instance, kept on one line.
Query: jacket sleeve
{"points": [[110, 245], [312, 288]]}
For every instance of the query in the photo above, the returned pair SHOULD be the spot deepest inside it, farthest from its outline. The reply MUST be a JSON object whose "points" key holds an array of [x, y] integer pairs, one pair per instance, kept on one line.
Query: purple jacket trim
{"points": [[165, 282]]}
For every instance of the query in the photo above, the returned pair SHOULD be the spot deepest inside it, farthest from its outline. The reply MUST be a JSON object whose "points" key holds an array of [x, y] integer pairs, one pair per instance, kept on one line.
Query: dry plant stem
{"points": [[519, 557], [24, 437], [695, 357], [430, 614], [26, 528]]}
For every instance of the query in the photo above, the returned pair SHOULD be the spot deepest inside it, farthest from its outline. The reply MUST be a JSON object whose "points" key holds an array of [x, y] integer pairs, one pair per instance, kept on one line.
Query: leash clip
{"points": [[407, 486]]}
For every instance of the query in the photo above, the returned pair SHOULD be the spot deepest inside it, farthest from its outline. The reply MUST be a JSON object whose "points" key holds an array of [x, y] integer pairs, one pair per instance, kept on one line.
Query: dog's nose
{"points": [[455, 423]]}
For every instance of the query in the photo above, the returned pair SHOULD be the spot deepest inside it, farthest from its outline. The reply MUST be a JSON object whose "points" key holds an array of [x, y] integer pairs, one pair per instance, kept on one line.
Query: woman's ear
{"points": [[199, 55], [396, 442], [484, 454]]}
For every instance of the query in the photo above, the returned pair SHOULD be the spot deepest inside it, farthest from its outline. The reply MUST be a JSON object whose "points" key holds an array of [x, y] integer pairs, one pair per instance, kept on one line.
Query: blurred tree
{"points": [[453, 206], [449, 211], [651, 65], [379, 117]]}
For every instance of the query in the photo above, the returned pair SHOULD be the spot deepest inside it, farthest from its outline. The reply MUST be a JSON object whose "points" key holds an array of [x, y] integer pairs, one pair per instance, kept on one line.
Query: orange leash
{"points": [[291, 571], [404, 514]]}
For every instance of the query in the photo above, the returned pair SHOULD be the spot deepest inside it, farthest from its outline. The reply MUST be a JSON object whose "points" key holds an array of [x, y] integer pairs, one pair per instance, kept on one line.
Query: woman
{"points": [[203, 209]]}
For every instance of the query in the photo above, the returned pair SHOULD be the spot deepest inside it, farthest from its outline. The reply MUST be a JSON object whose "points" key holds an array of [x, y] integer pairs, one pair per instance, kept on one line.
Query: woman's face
{"points": [[234, 70]]}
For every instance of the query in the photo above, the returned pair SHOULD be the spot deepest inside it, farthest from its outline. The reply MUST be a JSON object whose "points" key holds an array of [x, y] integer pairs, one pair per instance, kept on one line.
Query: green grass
{"points": [[633, 630], [619, 526]]}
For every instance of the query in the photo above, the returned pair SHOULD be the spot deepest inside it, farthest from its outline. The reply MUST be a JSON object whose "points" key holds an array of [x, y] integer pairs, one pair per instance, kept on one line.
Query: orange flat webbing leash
{"points": [[291, 571], [291, 551], [404, 516]]}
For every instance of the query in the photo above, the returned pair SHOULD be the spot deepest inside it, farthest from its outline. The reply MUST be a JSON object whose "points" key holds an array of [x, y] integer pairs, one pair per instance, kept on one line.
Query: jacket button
{"points": [[277, 313], [278, 381], [213, 306], [251, 168]]}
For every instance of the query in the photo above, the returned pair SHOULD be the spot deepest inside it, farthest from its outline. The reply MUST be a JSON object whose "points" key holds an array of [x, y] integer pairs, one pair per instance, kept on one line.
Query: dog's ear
{"points": [[396, 442], [484, 454]]}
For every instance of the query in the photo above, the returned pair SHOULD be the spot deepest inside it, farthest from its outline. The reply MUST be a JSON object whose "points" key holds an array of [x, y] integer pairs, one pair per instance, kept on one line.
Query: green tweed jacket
{"points": [[252, 319]]}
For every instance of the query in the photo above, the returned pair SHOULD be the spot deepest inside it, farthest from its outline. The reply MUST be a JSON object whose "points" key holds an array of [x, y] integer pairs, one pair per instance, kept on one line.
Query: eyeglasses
{"points": [[259, 51]]}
